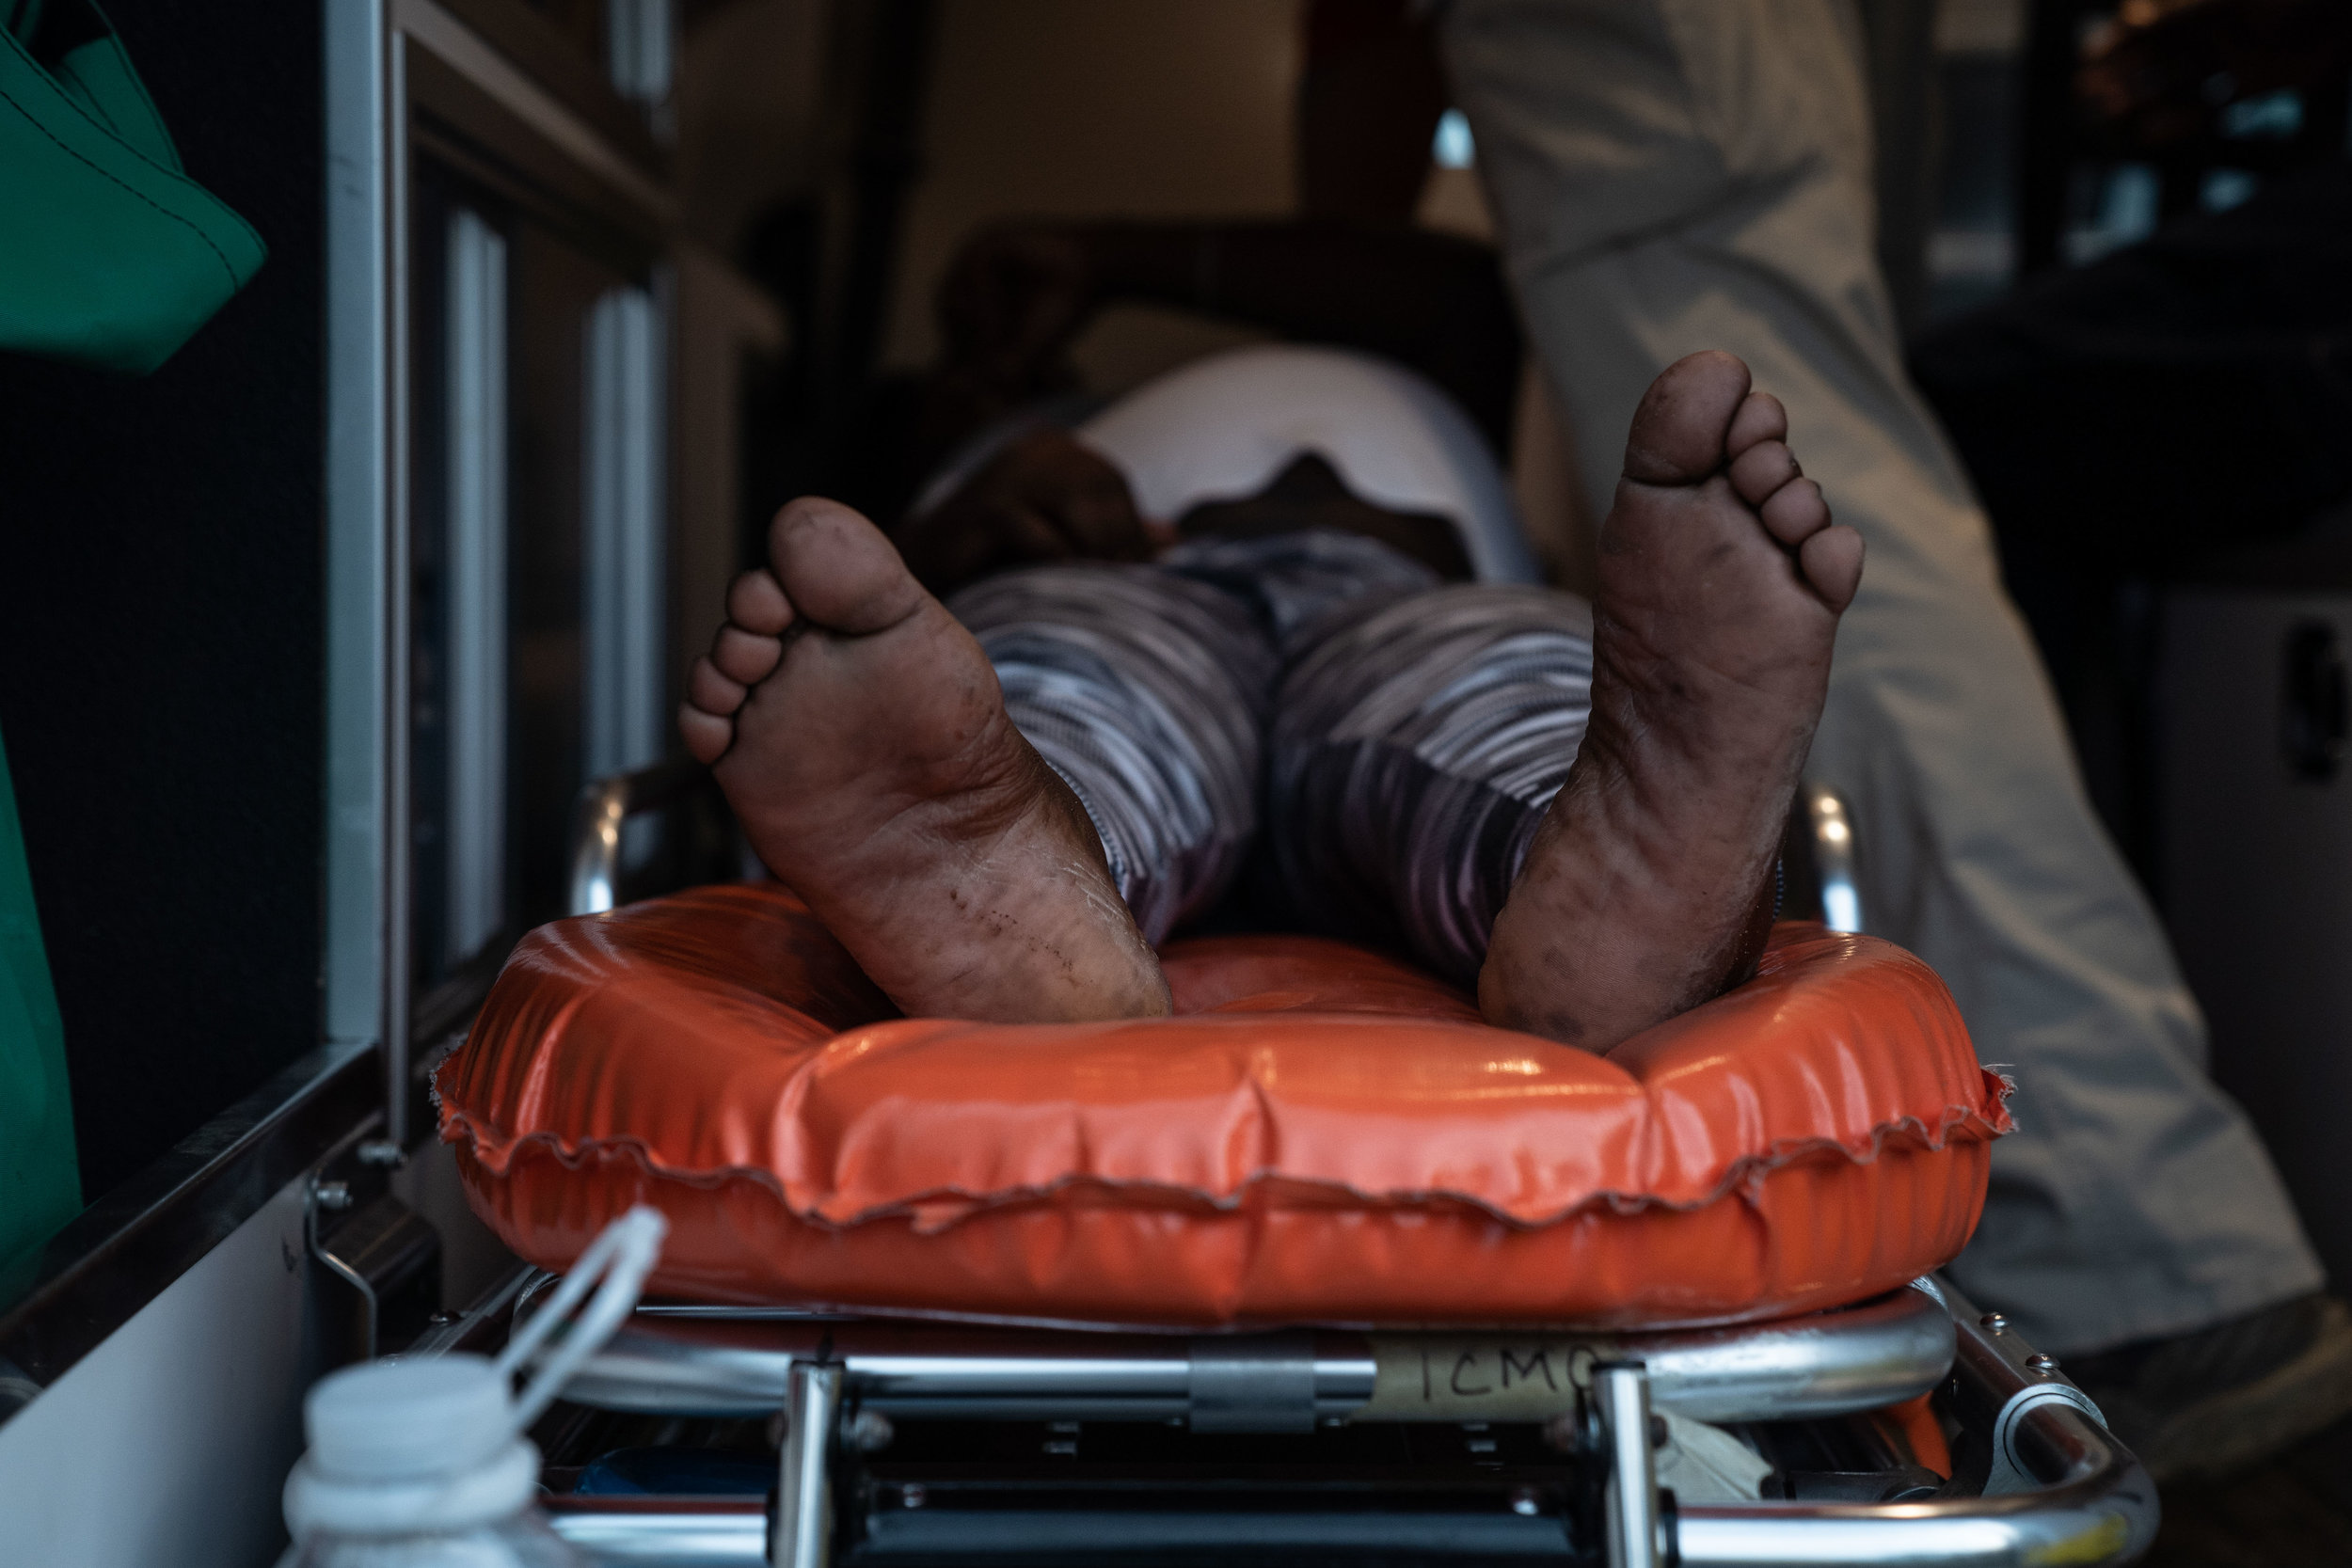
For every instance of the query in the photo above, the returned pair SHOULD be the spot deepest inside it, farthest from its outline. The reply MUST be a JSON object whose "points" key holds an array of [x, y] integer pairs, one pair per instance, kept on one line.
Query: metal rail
{"points": [[2090, 1502], [605, 804], [1877, 1353], [1832, 847], [2081, 1498]]}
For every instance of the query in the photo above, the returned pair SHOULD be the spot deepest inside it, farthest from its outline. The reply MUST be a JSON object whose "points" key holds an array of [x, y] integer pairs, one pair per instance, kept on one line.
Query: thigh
{"points": [[1148, 693], [1414, 749]]}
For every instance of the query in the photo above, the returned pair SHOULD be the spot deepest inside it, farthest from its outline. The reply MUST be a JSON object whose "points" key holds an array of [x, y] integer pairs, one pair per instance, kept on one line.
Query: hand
{"points": [[1012, 301], [1045, 498]]}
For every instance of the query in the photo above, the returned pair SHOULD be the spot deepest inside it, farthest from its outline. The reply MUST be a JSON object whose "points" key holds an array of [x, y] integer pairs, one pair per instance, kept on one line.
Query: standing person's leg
{"points": [[1691, 174]]}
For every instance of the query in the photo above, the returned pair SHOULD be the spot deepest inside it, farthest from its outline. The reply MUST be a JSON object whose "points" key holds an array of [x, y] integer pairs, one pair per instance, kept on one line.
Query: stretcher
{"points": [[1323, 1269]]}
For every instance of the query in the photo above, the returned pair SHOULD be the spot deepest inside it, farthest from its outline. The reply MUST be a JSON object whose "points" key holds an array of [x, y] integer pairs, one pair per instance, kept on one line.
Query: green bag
{"points": [[109, 255], [39, 1186]]}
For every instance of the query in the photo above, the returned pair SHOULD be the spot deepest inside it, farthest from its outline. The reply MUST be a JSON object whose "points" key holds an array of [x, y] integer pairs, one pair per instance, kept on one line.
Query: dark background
{"points": [[161, 627]]}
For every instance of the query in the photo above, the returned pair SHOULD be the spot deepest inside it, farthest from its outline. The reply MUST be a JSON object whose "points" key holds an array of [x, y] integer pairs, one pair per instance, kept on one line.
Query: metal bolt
{"points": [[871, 1432], [334, 1197], [1992, 1322], [1525, 1501], [442, 1319], [2045, 1365], [382, 1152], [912, 1494]]}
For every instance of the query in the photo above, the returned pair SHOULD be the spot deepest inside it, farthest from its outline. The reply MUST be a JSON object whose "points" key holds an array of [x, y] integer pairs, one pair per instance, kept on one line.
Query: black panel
{"points": [[161, 655]]}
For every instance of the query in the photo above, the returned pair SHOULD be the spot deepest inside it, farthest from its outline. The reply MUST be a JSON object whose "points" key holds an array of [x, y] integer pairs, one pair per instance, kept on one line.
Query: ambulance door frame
{"points": [[563, 129], [492, 64]]}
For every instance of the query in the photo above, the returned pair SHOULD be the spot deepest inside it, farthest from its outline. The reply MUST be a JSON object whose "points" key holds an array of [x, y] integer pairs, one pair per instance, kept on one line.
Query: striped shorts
{"points": [[1310, 724]]}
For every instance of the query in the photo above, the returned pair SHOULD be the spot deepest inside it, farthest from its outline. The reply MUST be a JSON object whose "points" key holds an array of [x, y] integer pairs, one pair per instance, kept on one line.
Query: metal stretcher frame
{"points": [[739, 1362], [2058, 1488]]}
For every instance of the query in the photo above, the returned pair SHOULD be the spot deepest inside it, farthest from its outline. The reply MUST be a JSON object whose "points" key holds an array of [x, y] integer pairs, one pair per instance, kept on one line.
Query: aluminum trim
{"points": [[123, 1251], [361, 459], [466, 52]]}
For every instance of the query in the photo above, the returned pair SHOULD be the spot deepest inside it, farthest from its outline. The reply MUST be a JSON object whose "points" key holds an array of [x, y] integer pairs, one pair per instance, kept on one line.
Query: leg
{"points": [[1646, 890], [1415, 745], [1421, 748], [1147, 689], [1676, 176], [1146, 692], [862, 742]]}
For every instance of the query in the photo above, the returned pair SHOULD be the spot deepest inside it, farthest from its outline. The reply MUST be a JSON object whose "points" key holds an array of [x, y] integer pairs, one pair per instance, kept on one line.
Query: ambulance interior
{"points": [[345, 649]]}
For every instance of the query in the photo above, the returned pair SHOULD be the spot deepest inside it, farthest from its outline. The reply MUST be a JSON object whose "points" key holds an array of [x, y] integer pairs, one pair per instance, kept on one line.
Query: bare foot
{"points": [[861, 737], [1721, 579]]}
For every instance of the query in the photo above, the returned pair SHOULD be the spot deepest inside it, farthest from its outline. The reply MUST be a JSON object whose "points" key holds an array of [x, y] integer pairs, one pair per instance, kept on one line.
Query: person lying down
{"points": [[1000, 803]]}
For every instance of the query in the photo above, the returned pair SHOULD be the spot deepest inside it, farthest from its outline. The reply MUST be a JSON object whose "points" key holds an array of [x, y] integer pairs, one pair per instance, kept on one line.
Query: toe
{"points": [[742, 657], [706, 734], [1762, 418], [1679, 430], [1831, 562], [838, 570], [1762, 469], [757, 603], [710, 690], [1795, 512]]}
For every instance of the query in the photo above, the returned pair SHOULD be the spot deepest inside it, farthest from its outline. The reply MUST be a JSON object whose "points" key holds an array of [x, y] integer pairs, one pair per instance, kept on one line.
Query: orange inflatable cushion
{"points": [[1322, 1135]]}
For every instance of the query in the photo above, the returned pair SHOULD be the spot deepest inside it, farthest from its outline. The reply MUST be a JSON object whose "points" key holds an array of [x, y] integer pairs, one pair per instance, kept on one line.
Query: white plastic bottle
{"points": [[422, 1464], [417, 1463]]}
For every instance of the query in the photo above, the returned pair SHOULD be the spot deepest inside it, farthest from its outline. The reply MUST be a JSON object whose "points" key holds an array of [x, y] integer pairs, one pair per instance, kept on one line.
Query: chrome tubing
{"points": [[2092, 1502], [1831, 824], [1631, 1534], [1250, 1382], [663, 1532], [1877, 1353], [605, 804], [1865, 1357], [804, 1536]]}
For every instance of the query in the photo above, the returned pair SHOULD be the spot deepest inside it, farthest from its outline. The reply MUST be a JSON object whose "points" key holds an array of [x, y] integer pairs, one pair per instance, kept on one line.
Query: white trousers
{"points": [[1678, 175]]}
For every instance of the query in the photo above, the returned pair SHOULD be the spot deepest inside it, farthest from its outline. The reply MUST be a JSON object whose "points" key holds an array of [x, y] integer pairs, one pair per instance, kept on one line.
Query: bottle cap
{"points": [[397, 1420]]}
